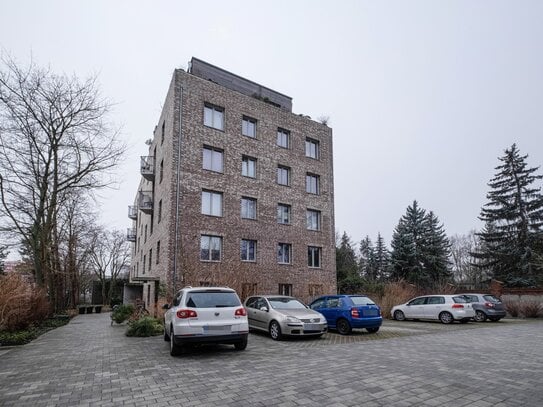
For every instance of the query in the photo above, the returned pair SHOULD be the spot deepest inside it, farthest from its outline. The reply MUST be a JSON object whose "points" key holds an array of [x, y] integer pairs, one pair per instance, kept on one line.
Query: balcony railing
{"points": [[133, 212], [145, 202], [131, 234], [148, 167]]}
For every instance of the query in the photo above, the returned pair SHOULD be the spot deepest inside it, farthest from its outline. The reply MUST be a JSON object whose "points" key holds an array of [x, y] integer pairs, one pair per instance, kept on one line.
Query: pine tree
{"points": [[382, 259], [420, 249], [513, 219], [367, 259]]}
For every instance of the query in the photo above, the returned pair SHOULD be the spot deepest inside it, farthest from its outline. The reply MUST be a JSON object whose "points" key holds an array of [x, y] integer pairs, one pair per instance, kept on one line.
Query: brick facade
{"points": [[178, 155]]}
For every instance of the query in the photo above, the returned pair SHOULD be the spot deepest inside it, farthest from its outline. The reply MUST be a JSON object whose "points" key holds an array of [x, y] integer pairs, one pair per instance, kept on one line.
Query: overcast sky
{"points": [[423, 96]]}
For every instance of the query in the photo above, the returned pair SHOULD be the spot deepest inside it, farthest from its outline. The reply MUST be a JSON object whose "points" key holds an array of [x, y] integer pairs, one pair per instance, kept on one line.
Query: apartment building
{"points": [[236, 190]]}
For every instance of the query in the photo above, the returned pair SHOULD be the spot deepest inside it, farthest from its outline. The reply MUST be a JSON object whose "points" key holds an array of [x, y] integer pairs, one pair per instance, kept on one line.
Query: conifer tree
{"points": [[513, 219], [347, 266], [382, 259], [367, 259]]}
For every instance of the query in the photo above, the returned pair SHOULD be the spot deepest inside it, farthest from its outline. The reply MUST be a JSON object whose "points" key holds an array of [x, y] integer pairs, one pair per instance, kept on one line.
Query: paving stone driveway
{"points": [[90, 363]]}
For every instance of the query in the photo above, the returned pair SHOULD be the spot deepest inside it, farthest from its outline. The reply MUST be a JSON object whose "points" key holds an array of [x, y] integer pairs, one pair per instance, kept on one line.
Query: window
{"points": [[248, 250], [210, 248], [161, 171], [311, 148], [145, 235], [283, 253], [313, 219], [143, 264], [283, 175], [248, 208], [150, 259], [248, 127], [285, 289], [214, 116], [163, 132], [312, 183], [212, 159], [313, 256], [283, 138], [283, 214], [159, 210], [158, 252], [212, 203], [248, 166]]}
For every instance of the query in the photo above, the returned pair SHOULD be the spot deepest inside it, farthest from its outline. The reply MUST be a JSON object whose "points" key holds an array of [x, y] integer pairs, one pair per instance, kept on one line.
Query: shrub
{"points": [[21, 337], [530, 308], [21, 303], [122, 312], [395, 293], [146, 326], [512, 307]]}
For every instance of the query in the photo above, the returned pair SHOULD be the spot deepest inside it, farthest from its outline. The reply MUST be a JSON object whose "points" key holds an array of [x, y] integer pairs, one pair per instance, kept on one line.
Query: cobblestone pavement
{"points": [[90, 363]]}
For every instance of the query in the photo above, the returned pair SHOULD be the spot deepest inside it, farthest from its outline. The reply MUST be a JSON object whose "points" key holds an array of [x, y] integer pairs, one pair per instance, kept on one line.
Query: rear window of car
{"points": [[491, 298], [362, 300], [212, 299], [460, 299]]}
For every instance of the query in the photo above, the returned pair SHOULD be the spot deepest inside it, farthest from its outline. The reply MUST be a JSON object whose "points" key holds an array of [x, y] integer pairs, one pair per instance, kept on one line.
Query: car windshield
{"points": [[285, 303], [361, 300], [460, 299], [212, 299]]}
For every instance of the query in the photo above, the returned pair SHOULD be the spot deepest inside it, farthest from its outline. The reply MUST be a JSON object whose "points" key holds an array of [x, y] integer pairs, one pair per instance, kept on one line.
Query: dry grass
{"points": [[21, 303], [531, 308], [394, 294]]}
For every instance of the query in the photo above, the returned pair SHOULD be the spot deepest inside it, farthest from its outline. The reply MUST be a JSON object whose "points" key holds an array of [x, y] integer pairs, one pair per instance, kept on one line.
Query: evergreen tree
{"points": [[420, 249], [366, 263], [382, 259], [513, 219], [348, 279]]}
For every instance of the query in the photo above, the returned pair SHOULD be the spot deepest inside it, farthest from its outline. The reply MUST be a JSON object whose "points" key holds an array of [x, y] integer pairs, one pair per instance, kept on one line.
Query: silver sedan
{"points": [[281, 315]]}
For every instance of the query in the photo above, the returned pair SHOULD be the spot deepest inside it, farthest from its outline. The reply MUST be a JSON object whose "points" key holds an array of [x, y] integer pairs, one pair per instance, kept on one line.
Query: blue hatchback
{"points": [[345, 312]]}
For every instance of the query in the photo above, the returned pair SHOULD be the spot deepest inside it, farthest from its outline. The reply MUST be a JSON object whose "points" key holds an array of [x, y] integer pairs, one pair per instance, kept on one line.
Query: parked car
{"points": [[205, 315], [445, 308], [282, 315], [345, 312], [486, 306]]}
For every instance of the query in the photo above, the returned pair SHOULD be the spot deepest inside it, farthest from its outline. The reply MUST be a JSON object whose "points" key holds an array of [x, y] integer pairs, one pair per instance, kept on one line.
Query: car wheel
{"points": [[275, 331], [399, 315], [372, 330], [175, 350], [166, 336], [241, 345], [446, 317], [343, 327], [480, 316]]}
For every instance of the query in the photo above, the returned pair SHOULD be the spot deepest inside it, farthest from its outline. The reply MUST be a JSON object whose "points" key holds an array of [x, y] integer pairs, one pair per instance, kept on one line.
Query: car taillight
{"points": [[458, 306], [186, 313], [354, 313], [489, 305], [240, 312]]}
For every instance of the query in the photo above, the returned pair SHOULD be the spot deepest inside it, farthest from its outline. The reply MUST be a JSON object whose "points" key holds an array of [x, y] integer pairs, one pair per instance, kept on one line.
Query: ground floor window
{"points": [[285, 289]]}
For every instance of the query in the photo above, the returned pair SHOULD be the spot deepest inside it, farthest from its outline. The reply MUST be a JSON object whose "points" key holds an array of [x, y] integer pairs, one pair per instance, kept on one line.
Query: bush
{"points": [[146, 326], [396, 293], [21, 303], [531, 308], [21, 337], [122, 312], [512, 307]]}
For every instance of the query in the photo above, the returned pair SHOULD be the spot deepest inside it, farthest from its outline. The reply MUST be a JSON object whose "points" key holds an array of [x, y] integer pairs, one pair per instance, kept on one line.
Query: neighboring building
{"points": [[236, 190]]}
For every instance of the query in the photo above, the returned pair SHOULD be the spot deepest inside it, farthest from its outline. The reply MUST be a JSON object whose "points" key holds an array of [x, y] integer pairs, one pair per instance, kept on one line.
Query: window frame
{"points": [[211, 193], [280, 176], [289, 213], [313, 261], [249, 209], [245, 128], [245, 250], [212, 154], [210, 257], [215, 110], [281, 246], [283, 134], [310, 214], [312, 180], [246, 160], [312, 142]]}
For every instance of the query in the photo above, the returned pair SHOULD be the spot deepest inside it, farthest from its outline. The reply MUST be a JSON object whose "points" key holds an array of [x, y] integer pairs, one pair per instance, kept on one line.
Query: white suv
{"points": [[205, 315]]}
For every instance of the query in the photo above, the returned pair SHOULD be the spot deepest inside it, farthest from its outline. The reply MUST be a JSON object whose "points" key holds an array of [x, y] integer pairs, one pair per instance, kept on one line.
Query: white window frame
{"points": [[248, 166], [213, 245], [248, 127], [312, 148], [212, 159], [214, 116], [248, 250], [210, 201], [283, 138], [280, 213], [248, 208], [312, 184], [282, 172], [314, 255], [284, 253], [313, 216]]}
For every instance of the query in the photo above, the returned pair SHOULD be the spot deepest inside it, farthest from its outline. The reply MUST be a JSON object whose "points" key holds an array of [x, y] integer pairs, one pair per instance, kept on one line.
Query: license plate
{"points": [[217, 328]]}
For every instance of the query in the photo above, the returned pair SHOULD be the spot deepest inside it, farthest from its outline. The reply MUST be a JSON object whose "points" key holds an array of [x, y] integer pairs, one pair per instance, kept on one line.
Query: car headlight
{"points": [[293, 320]]}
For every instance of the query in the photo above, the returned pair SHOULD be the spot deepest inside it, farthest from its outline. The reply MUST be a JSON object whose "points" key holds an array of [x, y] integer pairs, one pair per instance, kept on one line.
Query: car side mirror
{"points": [[166, 306], [264, 309]]}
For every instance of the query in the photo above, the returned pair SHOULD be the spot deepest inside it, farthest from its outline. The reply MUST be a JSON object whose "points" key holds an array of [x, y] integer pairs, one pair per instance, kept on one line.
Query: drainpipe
{"points": [[178, 193]]}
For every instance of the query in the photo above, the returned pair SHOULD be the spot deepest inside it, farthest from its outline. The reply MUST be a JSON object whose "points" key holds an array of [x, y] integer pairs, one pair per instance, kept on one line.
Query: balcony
{"points": [[148, 167], [131, 234], [145, 202], [133, 212]]}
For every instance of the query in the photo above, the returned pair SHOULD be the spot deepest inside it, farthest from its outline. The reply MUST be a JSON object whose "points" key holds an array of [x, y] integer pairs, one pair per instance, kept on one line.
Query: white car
{"points": [[205, 315], [445, 308]]}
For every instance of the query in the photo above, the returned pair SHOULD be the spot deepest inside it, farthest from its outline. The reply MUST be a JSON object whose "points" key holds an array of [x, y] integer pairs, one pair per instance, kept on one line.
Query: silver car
{"points": [[282, 315], [445, 308]]}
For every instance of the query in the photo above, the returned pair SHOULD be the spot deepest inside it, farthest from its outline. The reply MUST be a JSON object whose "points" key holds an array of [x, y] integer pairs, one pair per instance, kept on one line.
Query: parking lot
{"points": [[90, 363]]}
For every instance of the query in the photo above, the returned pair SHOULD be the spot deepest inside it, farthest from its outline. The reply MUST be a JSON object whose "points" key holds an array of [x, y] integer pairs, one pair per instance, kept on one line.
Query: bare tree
{"points": [[54, 140], [110, 255], [463, 261]]}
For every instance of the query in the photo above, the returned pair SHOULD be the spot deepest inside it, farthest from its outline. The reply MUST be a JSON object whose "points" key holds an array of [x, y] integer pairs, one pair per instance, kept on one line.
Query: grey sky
{"points": [[423, 96]]}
